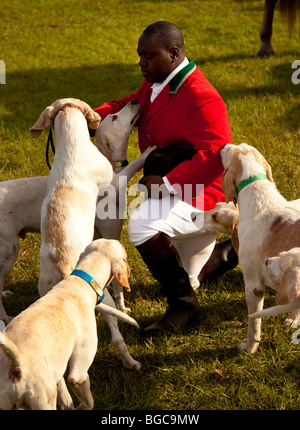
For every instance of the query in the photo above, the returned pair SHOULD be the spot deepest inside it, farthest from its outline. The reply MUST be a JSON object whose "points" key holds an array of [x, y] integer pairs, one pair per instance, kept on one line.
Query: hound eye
{"points": [[214, 217], [114, 117]]}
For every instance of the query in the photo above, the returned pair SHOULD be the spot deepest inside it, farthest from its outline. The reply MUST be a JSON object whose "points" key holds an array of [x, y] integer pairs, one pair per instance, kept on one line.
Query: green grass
{"points": [[87, 50]]}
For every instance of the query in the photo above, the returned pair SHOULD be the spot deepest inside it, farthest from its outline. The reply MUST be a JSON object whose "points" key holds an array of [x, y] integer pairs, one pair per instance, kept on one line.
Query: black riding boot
{"points": [[160, 255], [222, 259]]}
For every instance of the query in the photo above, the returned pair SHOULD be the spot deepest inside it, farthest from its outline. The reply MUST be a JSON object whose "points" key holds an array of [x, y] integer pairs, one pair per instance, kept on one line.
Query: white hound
{"points": [[268, 224]]}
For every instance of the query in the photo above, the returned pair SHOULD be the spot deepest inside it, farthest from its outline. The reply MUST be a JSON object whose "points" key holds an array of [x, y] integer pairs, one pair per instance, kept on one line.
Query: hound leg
{"points": [[111, 229], [116, 337], [82, 390], [9, 253], [64, 400], [135, 165], [79, 364], [6, 402], [119, 343], [255, 300], [119, 297]]}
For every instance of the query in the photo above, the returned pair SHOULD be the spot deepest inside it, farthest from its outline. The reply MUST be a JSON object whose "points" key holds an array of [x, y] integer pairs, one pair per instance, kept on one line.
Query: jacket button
{"points": [[149, 136]]}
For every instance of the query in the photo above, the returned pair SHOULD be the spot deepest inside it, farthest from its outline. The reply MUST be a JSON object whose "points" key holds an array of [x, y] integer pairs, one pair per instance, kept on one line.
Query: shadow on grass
{"points": [[27, 93], [279, 82]]}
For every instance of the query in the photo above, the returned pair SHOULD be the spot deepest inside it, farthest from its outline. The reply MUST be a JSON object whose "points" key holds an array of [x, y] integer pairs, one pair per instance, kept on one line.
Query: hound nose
{"points": [[134, 102]]}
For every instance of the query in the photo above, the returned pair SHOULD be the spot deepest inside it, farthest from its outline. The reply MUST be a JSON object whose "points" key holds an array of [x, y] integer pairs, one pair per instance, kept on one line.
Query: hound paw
{"points": [[145, 154], [7, 293], [194, 283], [121, 307], [131, 364], [136, 365], [243, 347]]}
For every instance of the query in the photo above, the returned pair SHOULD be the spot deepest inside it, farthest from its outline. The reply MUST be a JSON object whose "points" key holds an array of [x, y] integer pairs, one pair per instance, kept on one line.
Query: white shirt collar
{"points": [[157, 87]]}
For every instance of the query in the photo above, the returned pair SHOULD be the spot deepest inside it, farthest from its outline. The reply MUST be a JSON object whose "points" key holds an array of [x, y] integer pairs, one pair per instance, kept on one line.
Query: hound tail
{"points": [[276, 310], [105, 309]]}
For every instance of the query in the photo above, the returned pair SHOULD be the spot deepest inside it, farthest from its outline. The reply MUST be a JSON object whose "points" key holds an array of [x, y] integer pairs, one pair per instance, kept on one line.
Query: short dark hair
{"points": [[168, 33]]}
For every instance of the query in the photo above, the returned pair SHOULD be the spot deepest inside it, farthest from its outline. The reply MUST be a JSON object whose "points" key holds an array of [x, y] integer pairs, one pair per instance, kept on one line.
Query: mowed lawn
{"points": [[87, 50]]}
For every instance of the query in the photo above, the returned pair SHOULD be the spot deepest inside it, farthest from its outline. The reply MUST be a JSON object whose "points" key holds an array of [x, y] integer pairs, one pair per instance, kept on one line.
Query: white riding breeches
{"points": [[182, 223]]}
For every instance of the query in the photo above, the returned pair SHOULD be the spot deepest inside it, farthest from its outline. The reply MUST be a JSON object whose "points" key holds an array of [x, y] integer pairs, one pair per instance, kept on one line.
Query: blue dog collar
{"points": [[91, 281]]}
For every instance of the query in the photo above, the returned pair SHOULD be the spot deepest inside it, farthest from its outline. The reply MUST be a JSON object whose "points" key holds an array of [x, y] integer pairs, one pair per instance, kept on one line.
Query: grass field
{"points": [[87, 50]]}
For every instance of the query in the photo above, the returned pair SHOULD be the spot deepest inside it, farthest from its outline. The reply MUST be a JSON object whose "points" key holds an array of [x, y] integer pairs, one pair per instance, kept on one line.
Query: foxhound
{"points": [[268, 224], [58, 334]]}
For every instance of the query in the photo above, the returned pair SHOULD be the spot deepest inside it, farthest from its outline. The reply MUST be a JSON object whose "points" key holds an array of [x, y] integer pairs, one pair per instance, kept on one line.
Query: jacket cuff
{"points": [[170, 188]]}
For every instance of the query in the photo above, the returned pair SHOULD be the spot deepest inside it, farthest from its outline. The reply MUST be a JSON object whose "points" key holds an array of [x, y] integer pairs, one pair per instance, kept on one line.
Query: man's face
{"points": [[156, 62]]}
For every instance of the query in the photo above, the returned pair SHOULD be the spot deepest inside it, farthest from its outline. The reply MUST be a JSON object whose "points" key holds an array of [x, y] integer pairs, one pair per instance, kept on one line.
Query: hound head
{"points": [[224, 218], [241, 162], [120, 267], [47, 117], [284, 271], [113, 134], [110, 254]]}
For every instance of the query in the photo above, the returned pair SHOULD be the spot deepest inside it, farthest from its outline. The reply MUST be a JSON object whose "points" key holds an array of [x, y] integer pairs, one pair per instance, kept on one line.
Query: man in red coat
{"points": [[178, 106]]}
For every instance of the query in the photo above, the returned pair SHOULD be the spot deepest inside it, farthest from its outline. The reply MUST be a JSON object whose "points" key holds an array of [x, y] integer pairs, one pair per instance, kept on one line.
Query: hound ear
{"points": [[44, 121], [93, 119], [268, 170], [107, 144], [228, 185], [121, 273], [90, 115], [235, 239], [289, 287]]}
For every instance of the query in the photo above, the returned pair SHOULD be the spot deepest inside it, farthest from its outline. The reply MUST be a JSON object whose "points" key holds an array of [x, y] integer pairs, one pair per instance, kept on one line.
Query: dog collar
{"points": [[123, 163], [248, 181], [91, 281], [67, 105]]}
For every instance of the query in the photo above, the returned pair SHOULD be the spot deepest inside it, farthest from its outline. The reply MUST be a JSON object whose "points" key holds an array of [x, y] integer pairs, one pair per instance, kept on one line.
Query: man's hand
{"points": [[155, 186]]}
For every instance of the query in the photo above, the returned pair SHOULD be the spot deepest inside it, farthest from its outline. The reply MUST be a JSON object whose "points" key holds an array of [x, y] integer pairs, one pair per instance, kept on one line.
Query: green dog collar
{"points": [[248, 181], [123, 163]]}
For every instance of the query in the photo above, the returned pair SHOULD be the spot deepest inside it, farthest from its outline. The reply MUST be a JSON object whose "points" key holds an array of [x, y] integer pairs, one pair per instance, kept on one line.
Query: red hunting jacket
{"points": [[188, 111]]}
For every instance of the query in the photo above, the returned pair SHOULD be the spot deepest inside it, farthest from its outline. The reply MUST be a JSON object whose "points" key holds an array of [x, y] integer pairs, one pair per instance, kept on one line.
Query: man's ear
{"points": [[174, 53]]}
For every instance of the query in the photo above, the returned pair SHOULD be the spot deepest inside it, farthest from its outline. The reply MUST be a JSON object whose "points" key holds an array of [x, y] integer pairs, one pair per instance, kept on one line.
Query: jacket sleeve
{"points": [[115, 105]]}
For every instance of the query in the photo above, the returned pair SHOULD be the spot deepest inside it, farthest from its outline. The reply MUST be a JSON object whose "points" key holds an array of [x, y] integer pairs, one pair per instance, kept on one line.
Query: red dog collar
{"points": [[70, 105]]}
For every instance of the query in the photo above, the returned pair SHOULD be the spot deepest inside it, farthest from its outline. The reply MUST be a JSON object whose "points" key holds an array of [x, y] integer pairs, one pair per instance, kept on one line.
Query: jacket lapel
{"points": [[181, 76], [172, 88]]}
